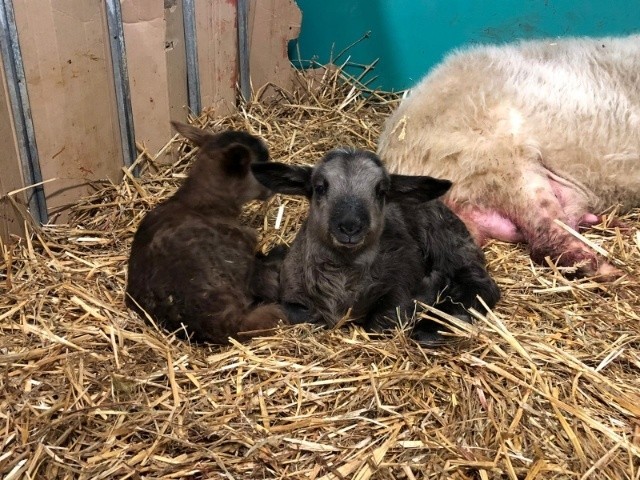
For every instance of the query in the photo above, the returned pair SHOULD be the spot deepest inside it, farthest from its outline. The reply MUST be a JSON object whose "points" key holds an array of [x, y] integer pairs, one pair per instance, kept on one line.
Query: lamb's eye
{"points": [[321, 188], [381, 190]]}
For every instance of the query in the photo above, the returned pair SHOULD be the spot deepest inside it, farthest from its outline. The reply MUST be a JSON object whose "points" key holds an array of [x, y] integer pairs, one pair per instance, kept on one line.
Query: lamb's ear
{"points": [[282, 178], [197, 135], [417, 189], [235, 159]]}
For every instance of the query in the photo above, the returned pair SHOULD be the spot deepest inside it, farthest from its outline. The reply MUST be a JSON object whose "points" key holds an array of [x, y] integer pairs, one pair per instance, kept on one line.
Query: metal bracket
{"points": [[19, 101], [243, 49], [191, 48], [121, 81]]}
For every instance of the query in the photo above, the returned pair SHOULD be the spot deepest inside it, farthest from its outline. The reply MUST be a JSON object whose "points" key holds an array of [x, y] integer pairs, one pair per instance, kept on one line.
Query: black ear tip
{"points": [[439, 185], [260, 167], [179, 126], [283, 178], [443, 187]]}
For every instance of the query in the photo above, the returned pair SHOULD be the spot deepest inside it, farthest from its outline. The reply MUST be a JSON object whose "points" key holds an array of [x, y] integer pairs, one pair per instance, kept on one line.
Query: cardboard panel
{"points": [[145, 32], [176, 61], [272, 24], [11, 220], [217, 36], [71, 94], [66, 55]]}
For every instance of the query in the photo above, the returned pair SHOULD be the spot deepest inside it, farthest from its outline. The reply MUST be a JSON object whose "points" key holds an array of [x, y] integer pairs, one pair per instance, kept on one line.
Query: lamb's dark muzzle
{"points": [[350, 221]]}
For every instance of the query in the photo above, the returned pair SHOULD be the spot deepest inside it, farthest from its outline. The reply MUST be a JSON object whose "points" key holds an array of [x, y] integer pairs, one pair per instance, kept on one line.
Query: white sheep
{"points": [[529, 133]]}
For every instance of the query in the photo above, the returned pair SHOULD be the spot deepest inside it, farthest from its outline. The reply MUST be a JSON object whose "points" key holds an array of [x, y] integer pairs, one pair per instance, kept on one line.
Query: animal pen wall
{"points": [[86, 84], [407, 37]]}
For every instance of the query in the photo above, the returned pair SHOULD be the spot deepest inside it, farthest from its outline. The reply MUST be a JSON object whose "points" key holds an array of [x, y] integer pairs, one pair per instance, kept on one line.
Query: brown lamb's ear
{"points": [[197, 135], [416, 189], [235, 159], [283, 178]]}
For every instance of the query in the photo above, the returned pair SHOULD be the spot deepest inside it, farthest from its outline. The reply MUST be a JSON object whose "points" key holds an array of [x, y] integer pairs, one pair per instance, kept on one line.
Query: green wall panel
{"points": [[410, 36]]}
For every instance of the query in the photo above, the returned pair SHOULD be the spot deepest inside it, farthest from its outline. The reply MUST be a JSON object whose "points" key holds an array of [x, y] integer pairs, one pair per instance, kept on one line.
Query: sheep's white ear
{"points": [[197, 135], [282, 178], [418, 189]]}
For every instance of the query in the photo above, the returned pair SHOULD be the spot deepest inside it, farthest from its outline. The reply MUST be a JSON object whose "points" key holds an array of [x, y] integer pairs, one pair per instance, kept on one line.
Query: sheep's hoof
{"points": [[427, 334]]}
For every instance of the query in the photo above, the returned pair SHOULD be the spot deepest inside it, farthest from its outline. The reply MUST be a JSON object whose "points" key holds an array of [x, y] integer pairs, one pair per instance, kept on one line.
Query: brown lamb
{"points": [[192, 267]]}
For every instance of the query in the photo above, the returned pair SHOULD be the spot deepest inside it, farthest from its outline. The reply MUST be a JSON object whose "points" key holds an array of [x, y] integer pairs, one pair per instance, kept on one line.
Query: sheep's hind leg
{"points": [[539, 201], [526, 210]]}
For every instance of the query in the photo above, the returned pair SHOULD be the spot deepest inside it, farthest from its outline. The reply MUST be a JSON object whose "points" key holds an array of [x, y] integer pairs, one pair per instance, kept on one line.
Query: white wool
{"points": [[570, 106]]}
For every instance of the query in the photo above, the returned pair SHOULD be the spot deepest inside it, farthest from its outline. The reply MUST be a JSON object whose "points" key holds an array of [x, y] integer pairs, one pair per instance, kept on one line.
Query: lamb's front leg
{"points": [[264, 283], [298, 306], [391, 308], [383, 306], [435, 291], [298, 313]]}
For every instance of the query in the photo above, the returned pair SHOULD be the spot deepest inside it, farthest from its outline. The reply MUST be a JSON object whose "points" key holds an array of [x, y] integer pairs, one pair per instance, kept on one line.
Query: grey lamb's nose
{"points": [[350, 226]]}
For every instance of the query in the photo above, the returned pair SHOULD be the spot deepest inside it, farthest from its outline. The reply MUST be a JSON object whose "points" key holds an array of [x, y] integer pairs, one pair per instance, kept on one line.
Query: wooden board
{"points": [[217, 36], [176, 61], [144, 34], [66, 55], [71, 94], [272, 25]]}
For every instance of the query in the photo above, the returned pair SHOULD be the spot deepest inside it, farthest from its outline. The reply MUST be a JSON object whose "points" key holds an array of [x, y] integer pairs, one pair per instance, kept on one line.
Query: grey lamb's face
{"points": [[348, 189]]}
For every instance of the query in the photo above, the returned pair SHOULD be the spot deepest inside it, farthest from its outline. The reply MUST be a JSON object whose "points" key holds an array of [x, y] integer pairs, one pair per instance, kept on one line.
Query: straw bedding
{"points": [[547, 386]]}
